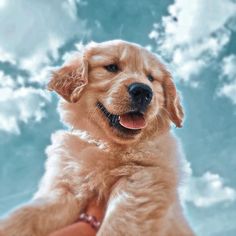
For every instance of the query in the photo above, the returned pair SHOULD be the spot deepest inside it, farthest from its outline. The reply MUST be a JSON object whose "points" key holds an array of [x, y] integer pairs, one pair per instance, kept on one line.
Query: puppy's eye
{"points": [[112, 68], [150, 77]]}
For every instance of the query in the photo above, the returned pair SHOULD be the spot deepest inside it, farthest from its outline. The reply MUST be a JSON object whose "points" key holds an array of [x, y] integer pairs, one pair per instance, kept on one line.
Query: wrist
{"points": [[91, 220]]}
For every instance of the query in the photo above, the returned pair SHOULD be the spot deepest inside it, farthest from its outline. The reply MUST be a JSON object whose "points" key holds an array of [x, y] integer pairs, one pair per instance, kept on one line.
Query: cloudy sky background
{"points": [[196, 38]]}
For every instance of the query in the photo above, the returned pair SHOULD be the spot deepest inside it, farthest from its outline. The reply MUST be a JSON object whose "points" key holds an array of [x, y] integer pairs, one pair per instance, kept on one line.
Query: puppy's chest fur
{"points": [[85, 168]]}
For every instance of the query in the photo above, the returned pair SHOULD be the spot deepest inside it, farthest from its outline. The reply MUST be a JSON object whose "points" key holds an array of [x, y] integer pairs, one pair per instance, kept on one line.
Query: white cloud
{"points": [[21, 105], [31, 26], [34, 62], [228, 74], [193, 34], [33, 32], [30, 39], [204, 191], [229, 67], [71, 7], [6, 81], [6, 57], [3, 3], [38, 67], [228, 90], [192, 21], [207, 190]]}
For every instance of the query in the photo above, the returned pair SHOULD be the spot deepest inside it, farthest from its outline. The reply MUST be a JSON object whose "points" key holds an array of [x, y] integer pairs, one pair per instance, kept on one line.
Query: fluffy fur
{"points": [[136, 174]]}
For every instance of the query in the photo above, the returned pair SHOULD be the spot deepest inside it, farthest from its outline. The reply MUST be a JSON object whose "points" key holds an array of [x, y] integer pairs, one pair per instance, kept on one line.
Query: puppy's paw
{"points": [[8, 228]]}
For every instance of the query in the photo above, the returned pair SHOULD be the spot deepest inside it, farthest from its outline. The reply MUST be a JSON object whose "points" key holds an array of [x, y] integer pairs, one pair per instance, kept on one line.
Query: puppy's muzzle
{"points": [[141, 96]]}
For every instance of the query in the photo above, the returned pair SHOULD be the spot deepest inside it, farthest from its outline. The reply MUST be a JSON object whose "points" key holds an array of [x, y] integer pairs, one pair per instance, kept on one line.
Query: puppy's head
{"points": [[118, 90]]}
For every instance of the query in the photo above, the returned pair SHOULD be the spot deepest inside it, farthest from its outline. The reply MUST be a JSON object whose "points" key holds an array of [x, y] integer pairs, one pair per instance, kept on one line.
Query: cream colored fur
{"points": [[137, 175]]}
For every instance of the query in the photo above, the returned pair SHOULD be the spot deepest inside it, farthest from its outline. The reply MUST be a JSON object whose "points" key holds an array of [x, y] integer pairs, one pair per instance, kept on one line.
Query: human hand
{"points": [[82, 228]]}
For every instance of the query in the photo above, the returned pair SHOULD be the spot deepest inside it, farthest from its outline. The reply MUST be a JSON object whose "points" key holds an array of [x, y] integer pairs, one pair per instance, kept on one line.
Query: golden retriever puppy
{"points": [[119, 101]]}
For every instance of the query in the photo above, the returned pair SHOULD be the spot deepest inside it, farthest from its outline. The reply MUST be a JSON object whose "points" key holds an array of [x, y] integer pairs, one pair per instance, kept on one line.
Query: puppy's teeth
{"points": [[118, 118]]}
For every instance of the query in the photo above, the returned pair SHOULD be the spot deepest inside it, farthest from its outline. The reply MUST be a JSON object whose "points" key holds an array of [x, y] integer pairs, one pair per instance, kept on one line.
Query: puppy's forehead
{"points": [[120, 51]]}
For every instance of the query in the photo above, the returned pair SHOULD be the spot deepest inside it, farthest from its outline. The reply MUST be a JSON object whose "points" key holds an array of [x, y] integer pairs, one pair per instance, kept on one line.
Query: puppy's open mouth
{"points": [[128, 123]]}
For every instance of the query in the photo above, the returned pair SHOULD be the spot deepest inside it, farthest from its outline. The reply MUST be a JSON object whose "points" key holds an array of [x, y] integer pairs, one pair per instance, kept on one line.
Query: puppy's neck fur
{"points": [[86, 137]]}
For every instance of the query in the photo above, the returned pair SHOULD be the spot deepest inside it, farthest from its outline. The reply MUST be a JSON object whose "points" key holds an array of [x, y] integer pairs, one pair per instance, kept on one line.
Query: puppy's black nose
{"points": [[141, 95]]}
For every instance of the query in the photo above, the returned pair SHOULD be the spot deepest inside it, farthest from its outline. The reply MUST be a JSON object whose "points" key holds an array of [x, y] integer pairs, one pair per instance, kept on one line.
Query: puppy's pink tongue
{"points": [[132, 121]]}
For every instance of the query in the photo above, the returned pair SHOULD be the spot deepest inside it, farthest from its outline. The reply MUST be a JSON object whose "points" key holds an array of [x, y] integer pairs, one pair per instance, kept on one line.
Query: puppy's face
{"points": [[119, 89]]}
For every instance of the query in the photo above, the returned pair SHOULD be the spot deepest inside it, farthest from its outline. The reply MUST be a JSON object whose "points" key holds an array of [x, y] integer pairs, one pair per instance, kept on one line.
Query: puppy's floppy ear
{"points": [[172, 101], [70, 80]]}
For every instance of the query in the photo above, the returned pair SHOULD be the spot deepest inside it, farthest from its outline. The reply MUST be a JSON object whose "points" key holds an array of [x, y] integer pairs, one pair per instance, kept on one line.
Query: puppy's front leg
{"points": [[139, 204], [42, 216]]}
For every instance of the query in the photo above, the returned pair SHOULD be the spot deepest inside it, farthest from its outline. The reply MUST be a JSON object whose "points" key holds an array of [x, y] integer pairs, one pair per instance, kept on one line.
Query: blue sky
{"points": [[197, 40]]}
